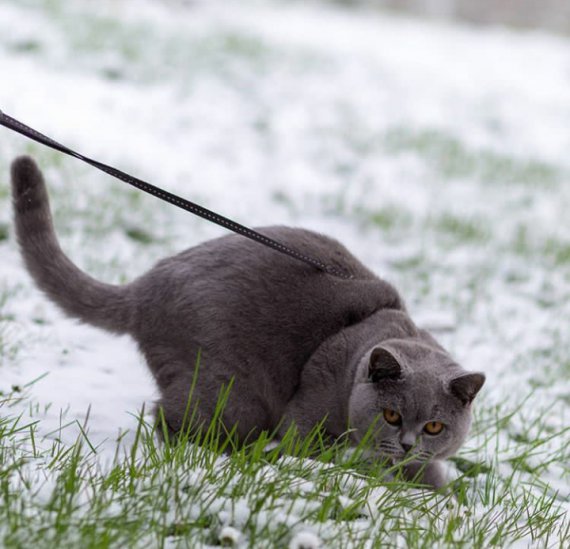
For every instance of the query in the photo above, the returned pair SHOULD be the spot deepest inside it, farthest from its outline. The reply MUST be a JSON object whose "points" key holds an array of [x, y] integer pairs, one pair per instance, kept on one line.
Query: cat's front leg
{"points": [[300, 416], [430, 474], [316, 401]]}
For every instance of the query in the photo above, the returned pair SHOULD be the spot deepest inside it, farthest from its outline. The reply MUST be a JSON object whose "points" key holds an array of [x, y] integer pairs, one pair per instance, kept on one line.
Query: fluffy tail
{"points": [[79, 295]]}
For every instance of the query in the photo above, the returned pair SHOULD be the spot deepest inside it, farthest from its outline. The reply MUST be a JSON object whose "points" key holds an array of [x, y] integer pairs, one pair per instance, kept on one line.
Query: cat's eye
{"points": [[433, 428], [392, 417]]}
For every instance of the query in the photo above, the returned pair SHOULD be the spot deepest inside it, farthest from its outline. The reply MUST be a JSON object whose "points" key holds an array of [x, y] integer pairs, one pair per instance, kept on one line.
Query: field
{"points": [[437, 153]]}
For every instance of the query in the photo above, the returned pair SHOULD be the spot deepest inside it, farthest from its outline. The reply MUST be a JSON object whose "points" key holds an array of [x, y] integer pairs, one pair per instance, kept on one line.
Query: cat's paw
{"points": [[431, 474]]}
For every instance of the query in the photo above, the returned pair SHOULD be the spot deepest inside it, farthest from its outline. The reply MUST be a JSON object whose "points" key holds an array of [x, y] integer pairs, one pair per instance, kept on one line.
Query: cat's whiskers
{"points": [[390, 449], [424, 455]]}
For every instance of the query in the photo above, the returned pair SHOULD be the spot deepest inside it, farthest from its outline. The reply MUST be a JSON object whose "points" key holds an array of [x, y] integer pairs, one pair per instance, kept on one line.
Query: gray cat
{"points": [[301, 346]]}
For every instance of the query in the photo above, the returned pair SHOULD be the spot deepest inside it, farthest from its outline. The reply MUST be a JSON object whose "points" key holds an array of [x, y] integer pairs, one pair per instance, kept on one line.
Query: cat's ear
{"points": [[383, 366], [466, 386]]}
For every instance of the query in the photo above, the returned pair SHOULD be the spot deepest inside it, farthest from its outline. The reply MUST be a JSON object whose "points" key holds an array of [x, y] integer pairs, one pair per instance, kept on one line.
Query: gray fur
{"points": [[300, 345]]}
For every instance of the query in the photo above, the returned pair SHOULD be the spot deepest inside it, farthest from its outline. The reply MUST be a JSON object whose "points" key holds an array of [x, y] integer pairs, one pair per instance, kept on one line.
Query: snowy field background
{"points": [[438, 153]]}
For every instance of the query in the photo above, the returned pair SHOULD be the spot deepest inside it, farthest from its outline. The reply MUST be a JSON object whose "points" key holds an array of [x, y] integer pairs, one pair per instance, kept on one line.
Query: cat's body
{"points": [[296, 342]]}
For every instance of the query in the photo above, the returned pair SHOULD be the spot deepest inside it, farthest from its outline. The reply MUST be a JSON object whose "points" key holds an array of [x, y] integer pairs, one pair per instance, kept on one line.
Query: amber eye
{"points": [[433, 428], [392, 417]]}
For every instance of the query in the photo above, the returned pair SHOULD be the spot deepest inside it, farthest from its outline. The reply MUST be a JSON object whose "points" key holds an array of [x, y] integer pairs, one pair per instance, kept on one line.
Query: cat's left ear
{"points": [[466, 386]]}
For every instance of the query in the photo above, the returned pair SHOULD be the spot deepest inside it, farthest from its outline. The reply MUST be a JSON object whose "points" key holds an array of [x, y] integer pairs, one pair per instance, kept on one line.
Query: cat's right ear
{"points": [[466, 386], [383, 366]]}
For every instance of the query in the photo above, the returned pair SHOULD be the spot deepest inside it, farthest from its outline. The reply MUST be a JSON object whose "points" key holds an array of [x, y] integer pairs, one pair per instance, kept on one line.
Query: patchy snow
{"points": [[320, 115]]}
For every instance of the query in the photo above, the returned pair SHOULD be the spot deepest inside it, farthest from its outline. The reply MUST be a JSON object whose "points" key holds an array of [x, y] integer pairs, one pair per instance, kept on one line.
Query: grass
{"points": [[452, 159], [184, 494], [477, 247], [136, 51]]}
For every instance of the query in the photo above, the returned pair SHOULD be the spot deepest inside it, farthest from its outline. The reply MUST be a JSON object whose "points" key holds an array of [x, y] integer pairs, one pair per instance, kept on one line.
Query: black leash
{"points": [[17, 126]]}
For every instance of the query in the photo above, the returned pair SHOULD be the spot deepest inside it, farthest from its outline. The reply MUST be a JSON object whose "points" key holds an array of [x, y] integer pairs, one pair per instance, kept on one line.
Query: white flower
{"points": [[305, 540], [229, 536]]}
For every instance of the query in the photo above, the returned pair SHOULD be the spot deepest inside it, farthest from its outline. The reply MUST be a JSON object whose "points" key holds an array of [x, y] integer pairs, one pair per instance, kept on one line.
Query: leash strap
{"points": [[196, 209]]}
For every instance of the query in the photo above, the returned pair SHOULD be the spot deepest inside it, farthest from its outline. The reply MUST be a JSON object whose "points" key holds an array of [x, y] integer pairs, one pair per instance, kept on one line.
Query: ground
{"points": [[437, 153]]}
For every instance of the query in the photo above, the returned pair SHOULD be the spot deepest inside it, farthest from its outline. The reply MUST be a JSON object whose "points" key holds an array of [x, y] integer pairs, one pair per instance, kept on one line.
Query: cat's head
{"points": [[417, 400]]}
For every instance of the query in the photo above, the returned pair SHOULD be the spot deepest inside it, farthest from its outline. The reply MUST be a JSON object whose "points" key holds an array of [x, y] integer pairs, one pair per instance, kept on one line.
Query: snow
{"points": [[294, 119]]}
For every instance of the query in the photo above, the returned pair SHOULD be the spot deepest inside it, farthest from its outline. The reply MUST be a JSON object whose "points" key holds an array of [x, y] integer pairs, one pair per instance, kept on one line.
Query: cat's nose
{"points": [[407, 440]]}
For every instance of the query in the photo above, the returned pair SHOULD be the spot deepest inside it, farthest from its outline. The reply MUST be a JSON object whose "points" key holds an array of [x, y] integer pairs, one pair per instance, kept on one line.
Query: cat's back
{"points": [[232, 287], [237, 258]]}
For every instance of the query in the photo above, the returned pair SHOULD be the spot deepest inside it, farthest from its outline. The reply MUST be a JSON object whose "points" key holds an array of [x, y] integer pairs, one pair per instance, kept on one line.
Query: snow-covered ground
{"points": [[437, 153]]}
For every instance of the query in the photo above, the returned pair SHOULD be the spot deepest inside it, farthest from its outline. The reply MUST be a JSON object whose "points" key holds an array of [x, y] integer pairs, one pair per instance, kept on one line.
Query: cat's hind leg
{"points": [[218, 409]]}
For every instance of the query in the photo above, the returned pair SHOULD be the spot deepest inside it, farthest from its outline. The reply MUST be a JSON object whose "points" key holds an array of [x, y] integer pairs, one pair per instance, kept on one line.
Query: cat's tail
{"points": [[79, 295]]}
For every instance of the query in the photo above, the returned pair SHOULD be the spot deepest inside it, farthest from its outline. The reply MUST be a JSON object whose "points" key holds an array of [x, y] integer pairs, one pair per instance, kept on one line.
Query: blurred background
{"points": [[431, 137], [546, 14]]}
